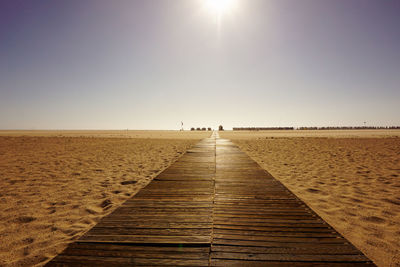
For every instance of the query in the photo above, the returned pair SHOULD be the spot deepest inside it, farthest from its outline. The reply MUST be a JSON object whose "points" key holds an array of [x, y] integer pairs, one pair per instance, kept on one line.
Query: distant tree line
{"points": [[200, 129], [220, 128], [261, 128], [317, 128], [349, 128]]}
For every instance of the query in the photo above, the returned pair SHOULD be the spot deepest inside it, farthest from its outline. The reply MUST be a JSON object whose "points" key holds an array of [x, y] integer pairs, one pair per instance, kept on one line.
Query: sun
{"points": [[220, 7]]}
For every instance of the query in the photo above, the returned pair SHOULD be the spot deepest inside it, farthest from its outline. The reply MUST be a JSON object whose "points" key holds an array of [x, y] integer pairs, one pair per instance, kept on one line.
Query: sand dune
{"points": [[53, 189], [351, 179]]}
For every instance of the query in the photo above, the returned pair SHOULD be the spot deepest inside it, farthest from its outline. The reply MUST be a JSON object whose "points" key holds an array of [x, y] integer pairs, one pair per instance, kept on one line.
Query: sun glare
{"points": [[219, 7]]}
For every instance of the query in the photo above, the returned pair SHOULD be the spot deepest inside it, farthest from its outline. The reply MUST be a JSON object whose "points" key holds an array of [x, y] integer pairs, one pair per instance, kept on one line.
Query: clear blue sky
{"points": [[149, 64]]}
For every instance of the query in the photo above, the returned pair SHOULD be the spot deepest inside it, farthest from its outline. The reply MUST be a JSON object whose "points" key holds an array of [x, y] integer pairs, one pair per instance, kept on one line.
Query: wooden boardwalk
{"points": [[213, 207]]}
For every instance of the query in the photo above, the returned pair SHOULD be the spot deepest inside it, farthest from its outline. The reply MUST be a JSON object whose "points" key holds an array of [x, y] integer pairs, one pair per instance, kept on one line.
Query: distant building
{"points": [[220, 128]]}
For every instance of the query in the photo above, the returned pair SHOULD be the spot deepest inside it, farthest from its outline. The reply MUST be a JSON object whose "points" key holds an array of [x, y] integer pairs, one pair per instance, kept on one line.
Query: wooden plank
{"points": [[280, 242], [284, 238], [264, 211], [265, 203], [161, 210], [230, 200], [251, 225], [170, 221], [167, 217], [278, 233], [261, 221], [335, 249], [240, 263], [67, 260], [177, 198], [168, 204], [147, 239], [289, 257], [157, 220], [154, 224], [138, 247], [250, 197], [117, 230], [146, 253], [177, 195], [270, 215], [277, 228]]}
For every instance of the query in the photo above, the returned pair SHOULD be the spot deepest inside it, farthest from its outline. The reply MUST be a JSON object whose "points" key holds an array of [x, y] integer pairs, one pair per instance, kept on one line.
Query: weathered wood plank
{"points": [[177, 198], [277, 233], [156, 239], [274, 242], [167, 217], [265, 216], [336, 249], [68, 260], [277, 228], [261, 221], [138, 247], [315, 240], [118, 230], [145, 253], [161, 224], [289, 257], [240, 263]]}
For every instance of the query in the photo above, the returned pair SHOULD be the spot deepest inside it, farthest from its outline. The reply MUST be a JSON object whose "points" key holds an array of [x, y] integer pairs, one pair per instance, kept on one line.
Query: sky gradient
{"points": [[150, 64]]}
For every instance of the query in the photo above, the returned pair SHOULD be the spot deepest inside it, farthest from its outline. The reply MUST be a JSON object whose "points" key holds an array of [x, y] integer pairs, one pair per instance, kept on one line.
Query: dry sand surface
{"points": [[53, 189], [350, 178], [110, 134]]}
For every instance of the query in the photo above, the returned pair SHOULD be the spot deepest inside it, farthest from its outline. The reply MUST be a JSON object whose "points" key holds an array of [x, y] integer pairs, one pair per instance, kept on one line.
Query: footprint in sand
{"points": [[313, 190], [350, 214], [128, 182], [373, 219], [356, 200], [91, 211], [106, 204], [51, 210], [392, 201], [28, 240], [26, 251], [25, 219], [87, 221]]}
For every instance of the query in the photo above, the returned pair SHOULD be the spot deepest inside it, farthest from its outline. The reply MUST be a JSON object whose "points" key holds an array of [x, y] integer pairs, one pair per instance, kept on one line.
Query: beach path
{"points": [[213, 207]]}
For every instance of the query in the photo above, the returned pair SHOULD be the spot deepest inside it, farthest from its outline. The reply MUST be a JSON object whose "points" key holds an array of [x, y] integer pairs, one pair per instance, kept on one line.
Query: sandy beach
{"points": [[56, 185], [350, 178]]}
